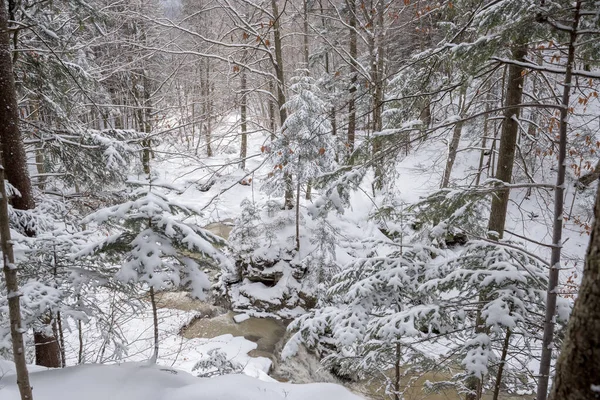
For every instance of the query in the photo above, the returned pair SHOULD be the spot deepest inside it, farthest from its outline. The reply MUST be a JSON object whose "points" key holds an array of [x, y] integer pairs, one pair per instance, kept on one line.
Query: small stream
{"points": [[267, 333], [270, 335]]}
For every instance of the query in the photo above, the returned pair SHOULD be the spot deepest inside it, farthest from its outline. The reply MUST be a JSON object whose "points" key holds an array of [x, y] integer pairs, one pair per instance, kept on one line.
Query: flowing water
{"points": [[270, 334], [267, 333]]}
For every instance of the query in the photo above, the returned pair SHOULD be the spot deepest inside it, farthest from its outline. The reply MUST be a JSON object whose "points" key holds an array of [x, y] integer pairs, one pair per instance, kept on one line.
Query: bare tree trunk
{"points": [[39, 153], [578, 367], [183, 111], [12, 144], [548, 338], [397, 372], [13, 155], [378, 82], [425, 114], [501, 366], [353, 80], [10, 271], [456, 135], [147, 125], [306, 61], [209, 110], [298, 217], [508, 141], [243, 122], [155, 323], [452, 150], [483, 141], [61, 340], [271, 110], [80, 337], [289, 189], [306, 49], [506, 156], [9, 134]]}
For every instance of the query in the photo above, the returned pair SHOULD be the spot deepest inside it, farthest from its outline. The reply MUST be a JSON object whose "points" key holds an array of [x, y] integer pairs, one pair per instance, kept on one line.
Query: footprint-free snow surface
{"points": [[136, 381]]}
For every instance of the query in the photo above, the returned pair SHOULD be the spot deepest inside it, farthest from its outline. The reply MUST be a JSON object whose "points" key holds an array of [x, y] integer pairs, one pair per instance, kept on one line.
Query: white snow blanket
{"points": [[138, 381]]}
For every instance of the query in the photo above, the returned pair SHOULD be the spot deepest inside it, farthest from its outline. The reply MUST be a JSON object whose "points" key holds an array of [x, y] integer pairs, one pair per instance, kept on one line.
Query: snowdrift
{"points": [[137, 381]]}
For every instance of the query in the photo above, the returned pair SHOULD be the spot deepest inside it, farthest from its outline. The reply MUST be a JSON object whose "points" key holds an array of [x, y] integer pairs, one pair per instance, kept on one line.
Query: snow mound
{"points": [[136, 381]]}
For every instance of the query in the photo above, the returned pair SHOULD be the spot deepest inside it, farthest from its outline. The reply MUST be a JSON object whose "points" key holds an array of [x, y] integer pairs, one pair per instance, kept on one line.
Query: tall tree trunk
{"points": [[353, 80], [10, 272], [14, 157], [456, 135], [508, 141], [289, 189], [147, 124], [209, 109], [501, 365], [13, 150], [397, 362], [378, 82], [243, 122], [306, 61], [483, 139], [452, 150], [154, 357], [39, 151], [305, 47], [9, 128], [578, 367], [559, 191], [506, 156]]}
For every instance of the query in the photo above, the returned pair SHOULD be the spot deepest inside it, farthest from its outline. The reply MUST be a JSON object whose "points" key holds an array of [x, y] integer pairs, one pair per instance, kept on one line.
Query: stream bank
{"points": [[270, 335]]}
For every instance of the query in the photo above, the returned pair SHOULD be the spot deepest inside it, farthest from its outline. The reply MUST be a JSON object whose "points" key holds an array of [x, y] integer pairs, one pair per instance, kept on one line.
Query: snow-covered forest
{"points": [[299, 199]]}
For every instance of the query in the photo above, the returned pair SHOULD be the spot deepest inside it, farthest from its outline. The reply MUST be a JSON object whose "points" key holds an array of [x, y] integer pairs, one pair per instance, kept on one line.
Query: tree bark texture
{"points": [[578, 368], [289, 189], [353, 80], [9, 129], [559, 196], [452, 151], [506, 158], [12, 287], [243, 116], [508, 141], [13, 151], [378, 81], [14, 157]]}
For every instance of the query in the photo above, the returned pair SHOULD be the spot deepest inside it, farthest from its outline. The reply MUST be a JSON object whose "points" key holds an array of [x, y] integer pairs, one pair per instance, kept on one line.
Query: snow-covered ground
{"points": [[136, 342], [139, 381], [417, 175]]}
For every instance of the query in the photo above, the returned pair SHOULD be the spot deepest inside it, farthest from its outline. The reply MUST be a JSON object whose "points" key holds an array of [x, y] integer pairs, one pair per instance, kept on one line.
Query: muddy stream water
{"points": [[270, 334]]}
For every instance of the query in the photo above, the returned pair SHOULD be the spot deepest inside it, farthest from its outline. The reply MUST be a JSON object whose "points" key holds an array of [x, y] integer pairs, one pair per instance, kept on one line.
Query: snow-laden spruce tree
{"points": [[389, 309], [268, 270], [494, 288], [305, 148], [270, 242], [493, 334], [58, 291], [156, 242], [375, 309]]}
